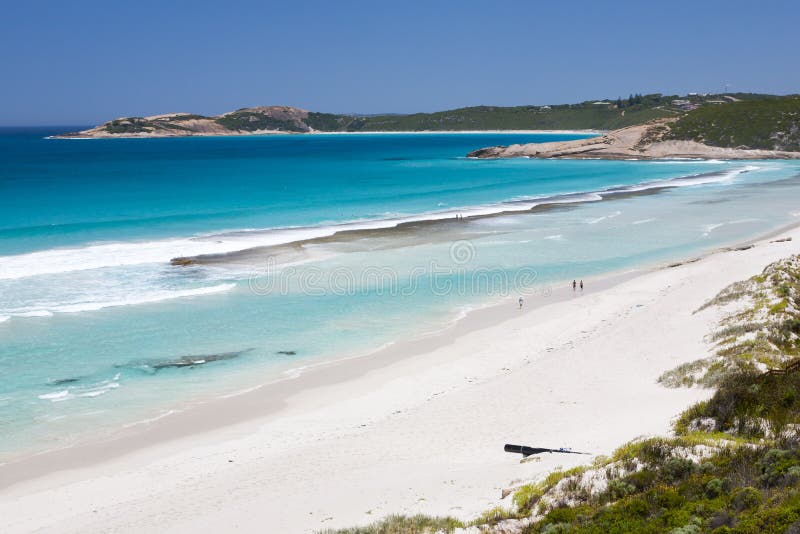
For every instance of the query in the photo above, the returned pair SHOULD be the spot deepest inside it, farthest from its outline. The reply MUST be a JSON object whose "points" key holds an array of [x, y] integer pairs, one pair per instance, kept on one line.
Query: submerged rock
{"points": [[191, 360], [61, 381]]}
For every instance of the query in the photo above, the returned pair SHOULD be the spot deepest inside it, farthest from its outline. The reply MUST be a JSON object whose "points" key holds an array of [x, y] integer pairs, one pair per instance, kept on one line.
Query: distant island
{"points": [[589, 115], [730, 126]]}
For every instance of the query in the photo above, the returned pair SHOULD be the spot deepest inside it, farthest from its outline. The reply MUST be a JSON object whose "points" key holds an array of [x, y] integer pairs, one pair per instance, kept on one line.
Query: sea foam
{"points": [[142, 298], [97, 256]]}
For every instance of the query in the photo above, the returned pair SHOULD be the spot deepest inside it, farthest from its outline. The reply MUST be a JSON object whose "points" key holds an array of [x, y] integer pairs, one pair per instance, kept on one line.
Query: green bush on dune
{"points": [[398, 524]]}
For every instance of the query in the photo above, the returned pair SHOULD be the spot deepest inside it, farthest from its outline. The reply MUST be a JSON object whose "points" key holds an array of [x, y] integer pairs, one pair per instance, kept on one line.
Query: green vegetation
{"points": [[397, 524], [329, 122], [767, 123], [763, 334], [597, 115], [250, 121], [741, 119], [745, 479], [183, 117], [128, 126], [586, 115]]}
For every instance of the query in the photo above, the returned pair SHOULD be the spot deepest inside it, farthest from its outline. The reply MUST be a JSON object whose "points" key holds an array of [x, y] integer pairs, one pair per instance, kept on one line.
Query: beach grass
{"points": [[400, 524]]}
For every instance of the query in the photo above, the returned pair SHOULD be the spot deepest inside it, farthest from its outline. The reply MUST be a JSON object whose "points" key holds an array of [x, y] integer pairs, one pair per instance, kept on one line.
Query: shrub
{"points": [[561, 515], [714, 488], [398, 524], [745, 498], [618, 488], [775, 467], [557, 528], [676, 469]]}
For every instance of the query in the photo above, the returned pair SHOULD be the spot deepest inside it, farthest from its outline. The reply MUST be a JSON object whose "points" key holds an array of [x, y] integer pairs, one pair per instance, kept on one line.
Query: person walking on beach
{"points": [[581, 285], [520, 302], [573, 285]]}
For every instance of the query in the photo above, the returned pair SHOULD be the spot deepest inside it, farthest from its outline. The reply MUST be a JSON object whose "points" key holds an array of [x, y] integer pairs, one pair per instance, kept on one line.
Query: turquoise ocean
{"points": [[301, 249]]}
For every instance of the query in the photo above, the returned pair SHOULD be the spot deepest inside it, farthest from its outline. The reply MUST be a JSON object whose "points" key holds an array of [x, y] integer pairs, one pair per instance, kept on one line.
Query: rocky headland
{"points": [[245, 121], [652, 140]]}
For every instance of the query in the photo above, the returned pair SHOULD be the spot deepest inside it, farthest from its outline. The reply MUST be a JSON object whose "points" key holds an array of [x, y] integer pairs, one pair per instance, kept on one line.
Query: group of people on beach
{"points": [[575, 286]]}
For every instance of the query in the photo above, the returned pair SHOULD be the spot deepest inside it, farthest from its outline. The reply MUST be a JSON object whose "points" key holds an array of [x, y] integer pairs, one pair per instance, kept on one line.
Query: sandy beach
{"points": [[417, 427]]}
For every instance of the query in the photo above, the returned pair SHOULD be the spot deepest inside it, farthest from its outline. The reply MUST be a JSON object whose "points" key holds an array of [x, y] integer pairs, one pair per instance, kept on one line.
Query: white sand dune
{"points": [[418, 427]]}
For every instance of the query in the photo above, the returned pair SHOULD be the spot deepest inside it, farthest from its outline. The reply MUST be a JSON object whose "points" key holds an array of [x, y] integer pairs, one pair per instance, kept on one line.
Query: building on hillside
{"points": [[685, 105]]}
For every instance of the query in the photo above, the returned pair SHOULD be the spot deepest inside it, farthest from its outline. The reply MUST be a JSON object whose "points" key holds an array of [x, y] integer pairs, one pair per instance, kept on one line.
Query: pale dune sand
{"points": [[418, 427]]}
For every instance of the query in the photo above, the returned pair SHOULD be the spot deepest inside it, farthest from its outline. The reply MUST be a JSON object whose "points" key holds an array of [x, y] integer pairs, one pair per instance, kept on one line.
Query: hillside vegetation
{"points": [[586, 115], [583, 116], [729, 121], [772, 124]]}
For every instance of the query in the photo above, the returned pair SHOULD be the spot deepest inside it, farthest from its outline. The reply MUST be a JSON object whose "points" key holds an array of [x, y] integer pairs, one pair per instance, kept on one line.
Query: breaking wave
{"points": [[96, 256]]}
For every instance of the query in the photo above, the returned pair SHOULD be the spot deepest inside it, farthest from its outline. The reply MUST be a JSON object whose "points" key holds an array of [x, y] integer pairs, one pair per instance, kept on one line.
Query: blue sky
{"points": [[84, 62]]}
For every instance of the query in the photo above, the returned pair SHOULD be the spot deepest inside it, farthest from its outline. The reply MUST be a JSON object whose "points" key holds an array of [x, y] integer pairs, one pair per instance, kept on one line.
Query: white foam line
{"points": [[144, 299], [151, 419], [57, 396], [712, 227], [35, 313], [54, 261]]}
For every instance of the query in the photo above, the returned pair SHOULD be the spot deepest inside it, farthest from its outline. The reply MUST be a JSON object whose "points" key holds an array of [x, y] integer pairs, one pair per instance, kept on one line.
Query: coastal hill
{"points": [[769, 124], [731, 126], [766, 128], [246, 121], [589, 115]]}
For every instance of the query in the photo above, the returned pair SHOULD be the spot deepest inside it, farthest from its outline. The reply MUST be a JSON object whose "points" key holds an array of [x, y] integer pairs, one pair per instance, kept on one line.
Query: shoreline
{"points": [[137, 435], [247, 404], [379, 132], [237, 427]]}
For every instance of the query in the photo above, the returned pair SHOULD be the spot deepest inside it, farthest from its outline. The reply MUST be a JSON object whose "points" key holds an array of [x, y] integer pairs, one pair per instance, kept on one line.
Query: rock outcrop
{"points": [[643, 141], [246, 121]]}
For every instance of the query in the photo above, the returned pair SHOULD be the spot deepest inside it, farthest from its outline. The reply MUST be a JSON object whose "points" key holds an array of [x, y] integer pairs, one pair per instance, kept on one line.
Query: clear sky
{"points": [[83, 62]]}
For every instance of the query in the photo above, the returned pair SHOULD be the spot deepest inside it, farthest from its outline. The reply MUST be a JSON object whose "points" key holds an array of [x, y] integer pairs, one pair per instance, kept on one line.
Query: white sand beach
{"points": [[417, 427]]}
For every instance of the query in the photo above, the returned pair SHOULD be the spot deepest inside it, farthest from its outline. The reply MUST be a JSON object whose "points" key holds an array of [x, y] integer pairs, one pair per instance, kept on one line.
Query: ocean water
{"points": [[302, 249]]}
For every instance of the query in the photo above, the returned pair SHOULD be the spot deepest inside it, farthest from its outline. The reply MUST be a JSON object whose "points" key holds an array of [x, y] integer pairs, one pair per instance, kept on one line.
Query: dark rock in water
{"points": [[287, 352], [190, 361], [782, 240], [693, 260], [61, 381], [488, 152], [181, 261], [185, 361]]}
